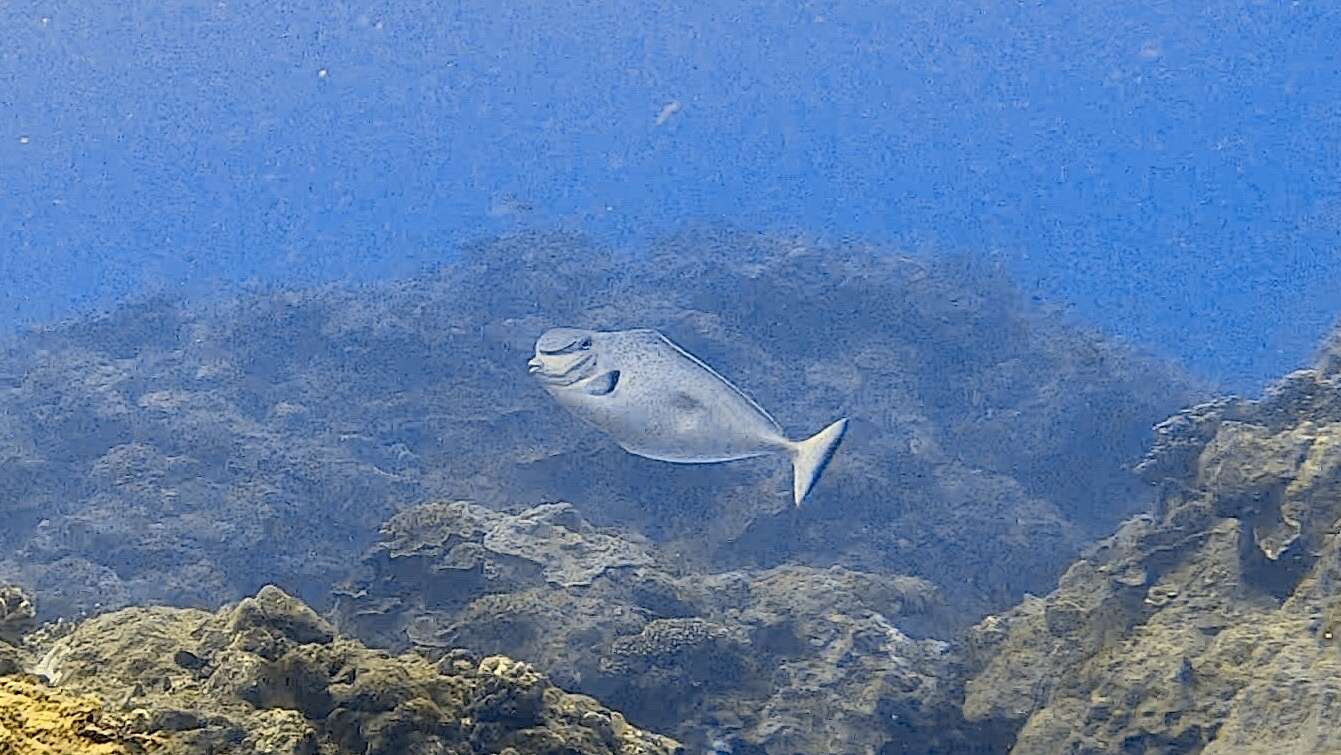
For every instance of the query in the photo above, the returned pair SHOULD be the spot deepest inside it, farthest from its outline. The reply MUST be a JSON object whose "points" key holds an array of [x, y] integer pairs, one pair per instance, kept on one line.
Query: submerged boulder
{"points": [[1213, 627], [785, 659], [551, 540], [268, 675], [37, 719], [17, 613], [16, 619]]}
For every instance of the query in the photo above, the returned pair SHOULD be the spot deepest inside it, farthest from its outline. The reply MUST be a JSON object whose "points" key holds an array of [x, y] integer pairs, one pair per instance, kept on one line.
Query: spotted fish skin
{"points": [[659, 401]]}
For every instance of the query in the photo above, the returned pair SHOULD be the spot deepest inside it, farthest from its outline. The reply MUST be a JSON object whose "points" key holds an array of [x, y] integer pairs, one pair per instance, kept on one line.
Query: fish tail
{"points": [[812, 455]]}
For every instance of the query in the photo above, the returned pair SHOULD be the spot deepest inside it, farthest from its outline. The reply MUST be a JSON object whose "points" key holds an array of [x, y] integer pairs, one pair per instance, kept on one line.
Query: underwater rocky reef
{"points": [[188, 453], [1211, 627], [1206, 626], [379, 454], [268, 675], [786, 659]]}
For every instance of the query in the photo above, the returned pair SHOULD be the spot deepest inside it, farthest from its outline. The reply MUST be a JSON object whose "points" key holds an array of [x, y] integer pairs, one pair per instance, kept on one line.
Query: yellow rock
{"points": [[38, 720]]}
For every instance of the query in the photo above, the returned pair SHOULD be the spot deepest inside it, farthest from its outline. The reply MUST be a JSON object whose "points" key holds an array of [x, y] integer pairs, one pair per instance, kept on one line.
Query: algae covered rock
{"points": [[1210, 628], [17, 613], [786, 659], [269, 676], [440, 557], [38, 720], [16, 619], [496, 547]]}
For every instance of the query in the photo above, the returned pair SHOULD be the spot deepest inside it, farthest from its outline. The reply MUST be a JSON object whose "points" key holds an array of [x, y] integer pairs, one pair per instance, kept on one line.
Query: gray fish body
{"points": [[658, 401]]}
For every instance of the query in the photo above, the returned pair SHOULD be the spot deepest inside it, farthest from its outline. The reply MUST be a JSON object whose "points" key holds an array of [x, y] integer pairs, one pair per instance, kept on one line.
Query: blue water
{"points": [[1168, 173]]}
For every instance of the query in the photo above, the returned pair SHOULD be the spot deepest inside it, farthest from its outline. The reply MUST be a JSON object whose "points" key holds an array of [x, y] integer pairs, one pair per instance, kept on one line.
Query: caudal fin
{"points": [[812, 455]]}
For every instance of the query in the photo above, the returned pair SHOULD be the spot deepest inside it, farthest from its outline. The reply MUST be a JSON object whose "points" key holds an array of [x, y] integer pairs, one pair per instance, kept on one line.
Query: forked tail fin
{"points": [[812, 455]]}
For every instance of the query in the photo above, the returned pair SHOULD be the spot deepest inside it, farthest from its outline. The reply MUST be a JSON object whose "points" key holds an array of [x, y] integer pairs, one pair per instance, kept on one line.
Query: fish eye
{"points": [[586, 343]]}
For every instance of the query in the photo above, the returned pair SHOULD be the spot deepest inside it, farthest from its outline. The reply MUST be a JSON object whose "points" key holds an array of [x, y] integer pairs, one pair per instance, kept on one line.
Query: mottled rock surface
{"points": [[1214, 627], [551, 541], [268, 675], [38, 720], [780, 660], [17, 613]]}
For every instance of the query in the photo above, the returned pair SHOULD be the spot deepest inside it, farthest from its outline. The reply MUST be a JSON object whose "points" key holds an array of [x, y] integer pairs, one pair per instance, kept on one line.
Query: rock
{"points": [[745, 657], [16, 614], [1329, 355], [441, 556], [272, 609], [11, 661], [37, 719], [269, 676], [570, 552], [500, 550], [1226, 642]]}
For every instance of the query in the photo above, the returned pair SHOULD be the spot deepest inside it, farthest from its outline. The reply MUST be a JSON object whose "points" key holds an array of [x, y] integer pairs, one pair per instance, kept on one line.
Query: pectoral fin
{"points": [[603, 384]]}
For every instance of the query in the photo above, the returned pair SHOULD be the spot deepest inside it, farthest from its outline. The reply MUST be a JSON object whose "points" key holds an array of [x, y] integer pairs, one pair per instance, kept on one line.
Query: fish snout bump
{"points": [[534, 366]]}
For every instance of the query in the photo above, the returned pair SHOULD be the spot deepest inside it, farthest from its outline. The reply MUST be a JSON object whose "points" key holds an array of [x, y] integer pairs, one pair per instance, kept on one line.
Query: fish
{"points": [[658, 401]]}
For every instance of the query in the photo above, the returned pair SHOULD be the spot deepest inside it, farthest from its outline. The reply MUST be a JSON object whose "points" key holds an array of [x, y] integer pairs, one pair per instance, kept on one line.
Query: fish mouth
{"points": [[577, 370]]}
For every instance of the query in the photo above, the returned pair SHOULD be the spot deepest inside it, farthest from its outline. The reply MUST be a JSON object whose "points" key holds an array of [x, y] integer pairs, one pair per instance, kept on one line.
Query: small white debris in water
{"points": [[23, 140], [321, 74], [671, 108]]}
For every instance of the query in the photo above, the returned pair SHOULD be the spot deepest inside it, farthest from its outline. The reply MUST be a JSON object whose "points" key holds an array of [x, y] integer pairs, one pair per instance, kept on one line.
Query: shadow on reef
{"points": [[1214, 627], [165, 454]]}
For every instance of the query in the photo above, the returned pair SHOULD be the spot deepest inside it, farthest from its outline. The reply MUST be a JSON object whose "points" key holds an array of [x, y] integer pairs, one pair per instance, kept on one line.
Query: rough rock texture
{"points": [[552, 540], [1212, 628], [16, 613], [183, 455], [16, 619], [268, 675], [781, 660], [38, 720]]}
